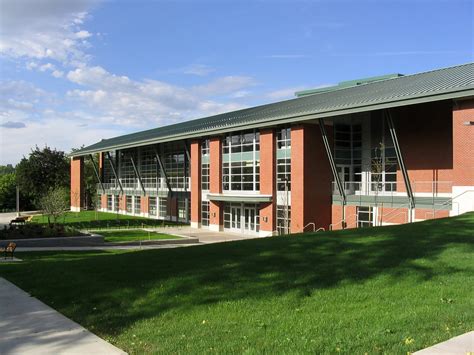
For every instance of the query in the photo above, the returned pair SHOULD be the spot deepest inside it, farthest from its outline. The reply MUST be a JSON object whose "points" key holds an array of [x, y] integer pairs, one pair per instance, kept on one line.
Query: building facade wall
{"points": [[311, 179], [77, 183], [215, 181], [463, 156], [268, 181], [195, 184], [144, 205], [425, 135]]}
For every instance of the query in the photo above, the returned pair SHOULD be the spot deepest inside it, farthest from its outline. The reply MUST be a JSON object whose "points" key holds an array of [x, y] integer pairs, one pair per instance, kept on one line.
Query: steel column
{"points": [[398, 152], [137, 174], [96, 171], [115, 172], [162, 168], [340, 187], [187, 161]]}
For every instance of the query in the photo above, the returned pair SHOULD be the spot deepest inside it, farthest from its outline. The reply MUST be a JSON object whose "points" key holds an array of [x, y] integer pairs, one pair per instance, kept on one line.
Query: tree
{"points": [[7, 192], [43, 170], [6, 169], [54, 203]]}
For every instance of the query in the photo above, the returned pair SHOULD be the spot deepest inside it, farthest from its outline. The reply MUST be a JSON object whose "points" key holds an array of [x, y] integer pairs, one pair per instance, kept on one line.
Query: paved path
{"points": [[28, 326], [460, 345]]}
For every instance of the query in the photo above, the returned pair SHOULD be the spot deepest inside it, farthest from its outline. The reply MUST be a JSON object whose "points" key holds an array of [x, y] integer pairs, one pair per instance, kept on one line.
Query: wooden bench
{"points": [[10, 248], [19, 220]]}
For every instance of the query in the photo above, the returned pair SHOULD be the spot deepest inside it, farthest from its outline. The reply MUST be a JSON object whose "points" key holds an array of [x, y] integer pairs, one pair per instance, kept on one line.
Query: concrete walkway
{"points": [[28, 326], [460, 345]]}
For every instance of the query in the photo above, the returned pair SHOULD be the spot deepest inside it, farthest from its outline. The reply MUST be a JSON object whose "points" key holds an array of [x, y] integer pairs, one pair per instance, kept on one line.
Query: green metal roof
{"points": [[441, 84], [345, 84]]}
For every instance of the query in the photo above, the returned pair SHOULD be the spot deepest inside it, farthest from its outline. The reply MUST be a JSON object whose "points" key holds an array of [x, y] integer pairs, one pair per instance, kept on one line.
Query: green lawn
{"points": [[378, 290], [95, 220], [133, 235]]}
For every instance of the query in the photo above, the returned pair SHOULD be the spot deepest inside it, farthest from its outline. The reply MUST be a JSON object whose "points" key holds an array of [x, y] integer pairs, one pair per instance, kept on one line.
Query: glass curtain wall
{"points": [[241, 162]]}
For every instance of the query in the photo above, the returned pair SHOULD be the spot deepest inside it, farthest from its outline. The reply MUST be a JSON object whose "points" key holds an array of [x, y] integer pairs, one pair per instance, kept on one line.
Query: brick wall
{"points": [[425, 135], [215, 183], [267, 179], [463, 136], [77, 183], [144, 204], [311, 179]]}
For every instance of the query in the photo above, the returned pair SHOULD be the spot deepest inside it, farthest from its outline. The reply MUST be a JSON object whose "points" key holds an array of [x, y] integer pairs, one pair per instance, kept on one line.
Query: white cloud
{"points": [[42, 30], [121, 100], [57, 73], [198, 69]]}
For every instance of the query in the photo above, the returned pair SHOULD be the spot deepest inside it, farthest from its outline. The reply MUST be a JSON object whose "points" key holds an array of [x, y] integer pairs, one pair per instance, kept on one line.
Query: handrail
{"points": [[320, 229], [331, 226], [385, 218], [309, 224]]}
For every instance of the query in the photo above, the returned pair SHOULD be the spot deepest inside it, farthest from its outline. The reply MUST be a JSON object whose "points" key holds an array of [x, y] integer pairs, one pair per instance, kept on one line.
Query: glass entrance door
{"points": [[235, 215], [250, 220]]}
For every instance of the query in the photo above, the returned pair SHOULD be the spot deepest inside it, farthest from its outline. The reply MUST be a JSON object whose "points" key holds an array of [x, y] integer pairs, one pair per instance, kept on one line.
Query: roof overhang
{"points": [[249, 198], [279, 120]]}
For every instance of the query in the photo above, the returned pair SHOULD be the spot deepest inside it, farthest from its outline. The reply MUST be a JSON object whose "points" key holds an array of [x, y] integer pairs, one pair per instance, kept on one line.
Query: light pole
{"points": [[17, 201]]}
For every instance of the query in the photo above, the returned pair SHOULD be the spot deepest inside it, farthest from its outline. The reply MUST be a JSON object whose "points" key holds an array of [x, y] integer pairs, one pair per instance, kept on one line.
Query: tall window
{"points": [[152, 210], [383, 164], [365, 216], [148, 167], [136, 205], [109, 203], [127, 173], [205, 164], [283, 158], [205, 213], [163, 207], [348, 152], [283, 219], [129, 203], [175, 165], [241, 162]]}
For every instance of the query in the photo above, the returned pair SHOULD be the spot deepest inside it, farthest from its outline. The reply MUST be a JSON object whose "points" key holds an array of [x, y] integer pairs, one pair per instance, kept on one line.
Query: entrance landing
{"points": [[205, 235]]}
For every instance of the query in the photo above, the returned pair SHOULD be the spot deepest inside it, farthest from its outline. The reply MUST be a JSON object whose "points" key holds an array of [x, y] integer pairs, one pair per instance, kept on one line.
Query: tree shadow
{"points": [[107, 292]]}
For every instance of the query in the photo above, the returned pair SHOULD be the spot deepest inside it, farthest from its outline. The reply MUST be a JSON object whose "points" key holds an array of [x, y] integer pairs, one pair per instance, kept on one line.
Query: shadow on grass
{"points": [[110, 291]]}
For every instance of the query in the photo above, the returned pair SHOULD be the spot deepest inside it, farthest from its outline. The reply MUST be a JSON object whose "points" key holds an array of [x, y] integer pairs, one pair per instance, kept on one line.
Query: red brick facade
{"points": [[215, 182], [145, 204], [463, 148], [267, 179], [425, 135], [77, 183], [311, 179]]}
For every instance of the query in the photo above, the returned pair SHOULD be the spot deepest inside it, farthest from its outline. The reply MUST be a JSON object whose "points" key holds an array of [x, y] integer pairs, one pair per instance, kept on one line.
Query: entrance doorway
{"points": [[241, 218]]}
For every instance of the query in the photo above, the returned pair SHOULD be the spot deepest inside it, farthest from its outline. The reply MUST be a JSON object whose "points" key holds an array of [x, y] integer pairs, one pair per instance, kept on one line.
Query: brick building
{"points": [[376, 151]]}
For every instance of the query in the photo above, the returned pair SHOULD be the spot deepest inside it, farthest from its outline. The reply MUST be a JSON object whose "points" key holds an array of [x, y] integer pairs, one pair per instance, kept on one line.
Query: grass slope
{"points": [[379, 290], [93, 219], [133, 235]]}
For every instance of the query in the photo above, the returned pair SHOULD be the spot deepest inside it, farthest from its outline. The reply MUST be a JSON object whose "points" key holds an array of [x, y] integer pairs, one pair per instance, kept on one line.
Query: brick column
{"points": [[311, 179], [103, 201], [463, 156], [122, 203], [195, 184], [215, 183], [144, 204], [77, 183], [267, 181]]}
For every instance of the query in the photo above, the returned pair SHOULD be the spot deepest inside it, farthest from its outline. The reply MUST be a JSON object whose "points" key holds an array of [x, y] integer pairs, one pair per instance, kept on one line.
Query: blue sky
{"points": [[74, 72]]}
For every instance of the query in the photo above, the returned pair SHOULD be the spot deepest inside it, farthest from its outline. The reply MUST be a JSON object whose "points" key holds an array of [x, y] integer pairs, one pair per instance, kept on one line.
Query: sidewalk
{"points": [[28, 326], [460, 345]]}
